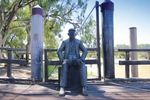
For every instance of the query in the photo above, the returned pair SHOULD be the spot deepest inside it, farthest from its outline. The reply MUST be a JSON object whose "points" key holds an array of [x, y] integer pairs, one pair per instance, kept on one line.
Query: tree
{"points": [[144, 54], [15, 19], [124, 46], [88, 35], [120, 46], [144, 46]]}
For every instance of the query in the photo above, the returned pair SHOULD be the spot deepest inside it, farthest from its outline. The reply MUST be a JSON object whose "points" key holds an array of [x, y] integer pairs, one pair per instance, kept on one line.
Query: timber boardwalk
{"points": [[103, 91]]}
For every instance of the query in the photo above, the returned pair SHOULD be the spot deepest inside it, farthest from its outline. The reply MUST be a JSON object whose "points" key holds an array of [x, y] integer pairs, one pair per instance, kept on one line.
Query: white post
{"points": [[133, 44], [37, 29]]}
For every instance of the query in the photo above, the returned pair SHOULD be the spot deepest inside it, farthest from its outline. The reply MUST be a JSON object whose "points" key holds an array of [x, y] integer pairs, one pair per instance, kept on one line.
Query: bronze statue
{"points": [[71, 58]]}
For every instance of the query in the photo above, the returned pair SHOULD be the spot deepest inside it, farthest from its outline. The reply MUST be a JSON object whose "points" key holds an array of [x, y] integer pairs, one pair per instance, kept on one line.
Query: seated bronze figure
{"points": [[69, 55]]}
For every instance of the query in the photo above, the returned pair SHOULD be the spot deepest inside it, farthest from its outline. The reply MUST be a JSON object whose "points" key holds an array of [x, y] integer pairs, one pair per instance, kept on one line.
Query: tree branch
{"points": [[22, 20], [23, 26]]}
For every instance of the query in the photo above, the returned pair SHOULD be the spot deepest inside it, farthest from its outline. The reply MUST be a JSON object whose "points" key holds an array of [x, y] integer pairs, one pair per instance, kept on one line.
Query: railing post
{"points": [[98, 39], [148, 55], [46, 65], [127, 70], [27, 57], [9, 53], [133, 44]]}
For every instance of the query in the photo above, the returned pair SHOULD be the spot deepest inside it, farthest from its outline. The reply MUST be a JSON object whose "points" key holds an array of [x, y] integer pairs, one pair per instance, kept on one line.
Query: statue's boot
{"points": [[62, 92], [84, 91]]}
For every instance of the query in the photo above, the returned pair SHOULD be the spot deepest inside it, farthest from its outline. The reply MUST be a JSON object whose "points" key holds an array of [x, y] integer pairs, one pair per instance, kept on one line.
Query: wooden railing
{"points": [[58, 63], [128, 62], [9, 61]]}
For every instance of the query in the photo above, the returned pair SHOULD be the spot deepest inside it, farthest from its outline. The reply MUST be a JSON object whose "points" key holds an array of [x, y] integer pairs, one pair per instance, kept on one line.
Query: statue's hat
{"points": [[71, 29]]}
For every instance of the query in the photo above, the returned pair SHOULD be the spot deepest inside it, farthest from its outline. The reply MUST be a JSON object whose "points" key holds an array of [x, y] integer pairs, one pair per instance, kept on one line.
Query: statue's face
{"points": [[72, 35]]}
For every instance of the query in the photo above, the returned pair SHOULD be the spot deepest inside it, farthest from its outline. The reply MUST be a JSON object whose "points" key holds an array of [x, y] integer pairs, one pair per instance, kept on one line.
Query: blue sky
{"points": [[132, 13], [128, 13]]}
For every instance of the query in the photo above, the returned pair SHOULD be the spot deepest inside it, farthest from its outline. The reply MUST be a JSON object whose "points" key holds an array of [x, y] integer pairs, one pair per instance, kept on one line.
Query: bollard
{"points": [[37, 29], [133, 45], [107, 8]]}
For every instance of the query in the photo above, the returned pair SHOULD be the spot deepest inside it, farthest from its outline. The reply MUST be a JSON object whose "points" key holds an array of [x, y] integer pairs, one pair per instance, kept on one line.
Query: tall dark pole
{"points": [[98, 38], [107, 8]]}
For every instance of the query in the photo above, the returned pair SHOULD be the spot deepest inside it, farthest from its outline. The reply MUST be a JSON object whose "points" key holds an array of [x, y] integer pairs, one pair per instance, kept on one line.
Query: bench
{"points": [[128, 62]]}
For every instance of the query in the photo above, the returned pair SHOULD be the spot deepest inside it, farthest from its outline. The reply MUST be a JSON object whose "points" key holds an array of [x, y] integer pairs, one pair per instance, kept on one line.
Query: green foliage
{"points": [[120, 46], [57, 14], [49, 36], [15, 39], [143, 54], [49, 39], [88, 35], [53, 71], [124, 46], [144, 46], [15, 21]]}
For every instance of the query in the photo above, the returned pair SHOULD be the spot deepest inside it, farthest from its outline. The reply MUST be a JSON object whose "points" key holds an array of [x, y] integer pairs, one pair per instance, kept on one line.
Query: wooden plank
{"points": [[135, 62], [52, 50], [13, 61], [89, 61], [128, 50], [88, 80], [13, 49], [127, 69], [56, 62]]}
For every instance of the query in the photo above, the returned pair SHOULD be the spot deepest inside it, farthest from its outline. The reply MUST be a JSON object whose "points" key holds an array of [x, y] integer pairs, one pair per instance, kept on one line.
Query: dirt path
{"points": [[17, 71]]}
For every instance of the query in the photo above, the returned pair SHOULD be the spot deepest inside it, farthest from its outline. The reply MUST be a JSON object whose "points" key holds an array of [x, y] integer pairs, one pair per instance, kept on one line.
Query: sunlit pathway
{"points": [[96, 91]]}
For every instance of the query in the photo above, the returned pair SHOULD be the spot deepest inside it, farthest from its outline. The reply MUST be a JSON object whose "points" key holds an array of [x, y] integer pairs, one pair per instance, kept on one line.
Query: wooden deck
{"points": [[104, 91]]}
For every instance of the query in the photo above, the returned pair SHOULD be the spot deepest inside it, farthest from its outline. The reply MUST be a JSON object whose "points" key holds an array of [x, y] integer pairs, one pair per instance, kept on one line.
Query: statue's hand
{"points": [[64, 61], [82, 59], [79, 61]]}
